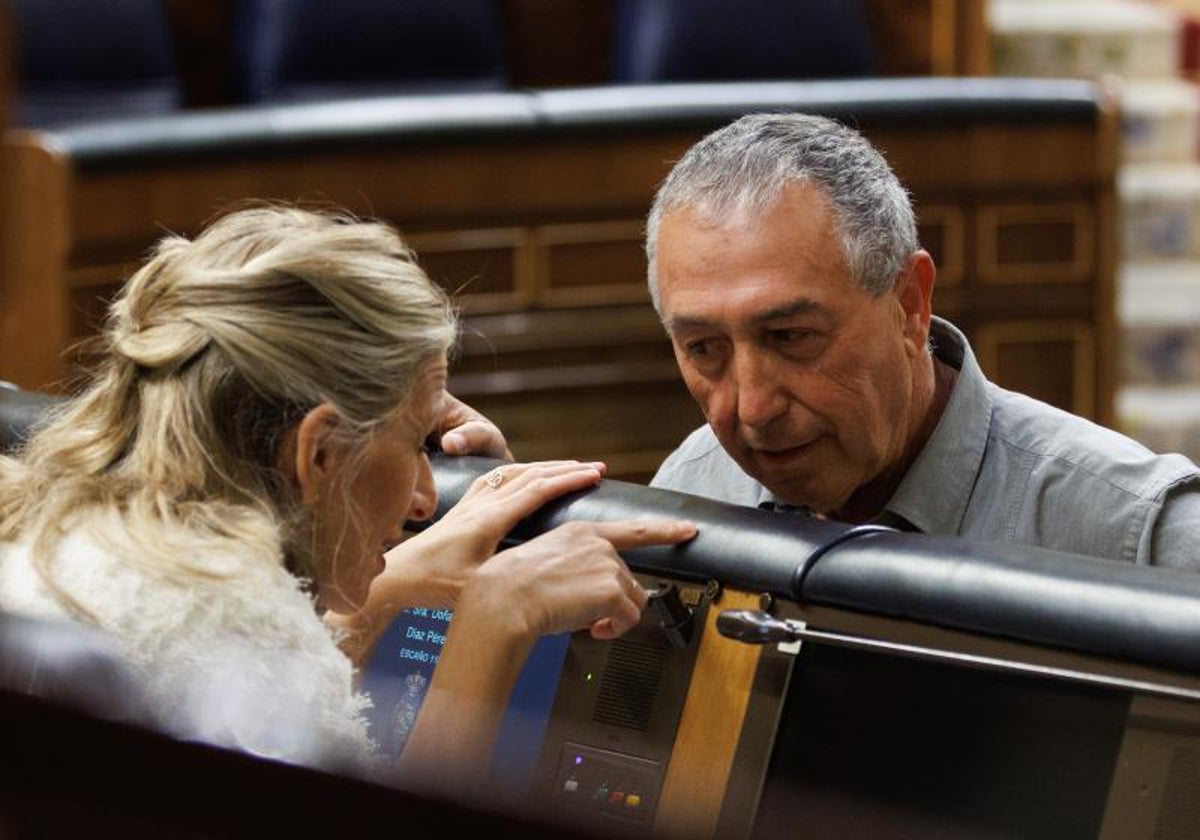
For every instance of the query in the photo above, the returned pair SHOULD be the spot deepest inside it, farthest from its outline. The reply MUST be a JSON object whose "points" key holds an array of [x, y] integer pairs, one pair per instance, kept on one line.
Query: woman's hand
{"points": [[430, 568], [570, 578], [433, 564], [566, 579]]}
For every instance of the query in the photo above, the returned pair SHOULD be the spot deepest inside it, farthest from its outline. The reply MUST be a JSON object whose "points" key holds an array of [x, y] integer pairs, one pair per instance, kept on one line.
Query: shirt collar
{"points": [[933, 494]]}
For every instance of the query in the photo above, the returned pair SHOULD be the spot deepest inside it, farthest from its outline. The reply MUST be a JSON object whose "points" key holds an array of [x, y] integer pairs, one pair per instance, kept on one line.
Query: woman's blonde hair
{"points": [[211, 353]]}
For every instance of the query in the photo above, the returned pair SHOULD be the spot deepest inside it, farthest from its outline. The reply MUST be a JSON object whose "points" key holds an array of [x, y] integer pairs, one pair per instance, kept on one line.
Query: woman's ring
{"points": [[495, 478]]}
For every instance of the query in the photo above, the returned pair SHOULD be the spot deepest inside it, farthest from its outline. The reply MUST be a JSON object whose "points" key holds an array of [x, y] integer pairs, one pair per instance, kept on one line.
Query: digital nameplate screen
{"points": [[397, 677]]}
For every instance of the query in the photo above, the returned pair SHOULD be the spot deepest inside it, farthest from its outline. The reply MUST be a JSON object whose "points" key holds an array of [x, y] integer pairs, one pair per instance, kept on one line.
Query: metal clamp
{"points": [[674, 616]]}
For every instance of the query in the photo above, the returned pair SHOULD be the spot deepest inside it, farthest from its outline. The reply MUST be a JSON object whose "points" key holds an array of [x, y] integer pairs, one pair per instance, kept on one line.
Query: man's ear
{"points": [[317, 455], [914, 293]]}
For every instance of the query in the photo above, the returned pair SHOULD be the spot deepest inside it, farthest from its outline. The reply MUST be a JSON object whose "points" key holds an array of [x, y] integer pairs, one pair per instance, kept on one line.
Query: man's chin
{"points": [[807, 501], [787, 490]]}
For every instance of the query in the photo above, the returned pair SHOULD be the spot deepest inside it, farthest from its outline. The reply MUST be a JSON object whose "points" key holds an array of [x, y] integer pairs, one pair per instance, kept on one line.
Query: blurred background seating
{"points": [[290, 50], [72, 665], [707, 40], [19, 412], [70, 60], [79, 60]]}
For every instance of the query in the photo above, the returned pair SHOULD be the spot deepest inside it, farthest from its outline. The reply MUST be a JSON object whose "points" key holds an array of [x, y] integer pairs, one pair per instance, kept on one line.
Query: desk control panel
{"points": [[615, 785], [616, 714]]}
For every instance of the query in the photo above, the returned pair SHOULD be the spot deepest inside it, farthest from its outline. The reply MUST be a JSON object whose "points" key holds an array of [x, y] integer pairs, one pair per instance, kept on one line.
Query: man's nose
{"points": [[761, 398]]}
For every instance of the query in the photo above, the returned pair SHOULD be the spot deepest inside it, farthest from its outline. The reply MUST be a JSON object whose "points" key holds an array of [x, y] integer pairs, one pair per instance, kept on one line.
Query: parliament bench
{"points": [[941, 687], [530, 205], [831, 680]]}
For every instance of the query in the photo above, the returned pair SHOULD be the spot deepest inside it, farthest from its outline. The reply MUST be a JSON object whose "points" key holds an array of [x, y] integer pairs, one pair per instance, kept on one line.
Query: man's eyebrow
{"points": [[795, 307], [685, 322]]}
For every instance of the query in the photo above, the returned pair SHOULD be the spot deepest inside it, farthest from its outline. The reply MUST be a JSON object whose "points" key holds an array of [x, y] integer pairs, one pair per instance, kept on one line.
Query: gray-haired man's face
{"points": [[806, 379]]}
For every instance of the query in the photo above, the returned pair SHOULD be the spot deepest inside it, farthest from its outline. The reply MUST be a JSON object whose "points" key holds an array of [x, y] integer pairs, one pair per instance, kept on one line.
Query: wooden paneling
{"points": [[1024, 159], [420, 188], [593, 263], [1157, 772], [1054, 361], [942, 232], [709, 729], [930, 37], [36, 242], [1036, 243], [594, 383], [973, 55], [629, 416], [485, 269], [541, 240]]}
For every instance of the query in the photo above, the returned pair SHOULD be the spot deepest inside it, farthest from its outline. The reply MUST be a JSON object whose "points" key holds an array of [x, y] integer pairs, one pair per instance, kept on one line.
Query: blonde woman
{"points": [[226, 500]]}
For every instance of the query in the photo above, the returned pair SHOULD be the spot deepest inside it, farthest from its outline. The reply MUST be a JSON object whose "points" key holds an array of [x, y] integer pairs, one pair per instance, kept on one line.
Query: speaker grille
{"points": [[1179, 818], [632, 676]]}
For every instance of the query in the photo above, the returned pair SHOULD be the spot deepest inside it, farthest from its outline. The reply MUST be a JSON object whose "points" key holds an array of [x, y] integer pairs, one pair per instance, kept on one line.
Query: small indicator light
{"points": [[578, 760]]}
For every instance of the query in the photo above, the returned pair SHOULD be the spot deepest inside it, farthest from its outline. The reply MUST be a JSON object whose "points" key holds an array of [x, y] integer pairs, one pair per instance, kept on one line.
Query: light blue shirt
{"points": [[1001, 466]]}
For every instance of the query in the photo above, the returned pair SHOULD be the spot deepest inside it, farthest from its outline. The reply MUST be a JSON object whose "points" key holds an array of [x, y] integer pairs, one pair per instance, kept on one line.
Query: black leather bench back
{"points": [[19, 411]]}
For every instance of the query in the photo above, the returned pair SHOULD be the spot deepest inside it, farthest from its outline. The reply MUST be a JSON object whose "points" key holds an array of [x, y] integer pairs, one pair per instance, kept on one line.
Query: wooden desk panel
{"points": [[548, 233]]}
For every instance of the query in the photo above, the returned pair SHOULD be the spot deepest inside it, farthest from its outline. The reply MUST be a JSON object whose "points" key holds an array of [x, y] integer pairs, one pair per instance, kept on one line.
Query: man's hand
{"points": [[464, 431]]}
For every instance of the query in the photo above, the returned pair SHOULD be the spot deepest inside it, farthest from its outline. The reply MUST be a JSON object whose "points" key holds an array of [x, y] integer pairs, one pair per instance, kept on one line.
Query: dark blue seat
{"points": [[294, 50], [717, 40], [20, 411], [82, 59], [73, 665]]}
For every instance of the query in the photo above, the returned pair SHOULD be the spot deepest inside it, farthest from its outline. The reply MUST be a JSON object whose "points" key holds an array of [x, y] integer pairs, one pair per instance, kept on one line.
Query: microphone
{"points": [[756, 628]]}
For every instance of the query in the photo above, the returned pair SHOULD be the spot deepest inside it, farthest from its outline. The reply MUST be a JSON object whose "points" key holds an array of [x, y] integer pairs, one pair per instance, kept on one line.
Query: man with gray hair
{"points": [[785, 266]]}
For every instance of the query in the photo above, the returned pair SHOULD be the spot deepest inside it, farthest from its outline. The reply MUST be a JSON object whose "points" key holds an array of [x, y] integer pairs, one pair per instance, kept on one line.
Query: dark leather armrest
{"points": [[1137, 613]]}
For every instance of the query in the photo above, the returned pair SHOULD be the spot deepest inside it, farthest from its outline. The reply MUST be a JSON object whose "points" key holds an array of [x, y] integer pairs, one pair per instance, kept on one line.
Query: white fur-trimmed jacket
{"points": [[239, 659]]}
